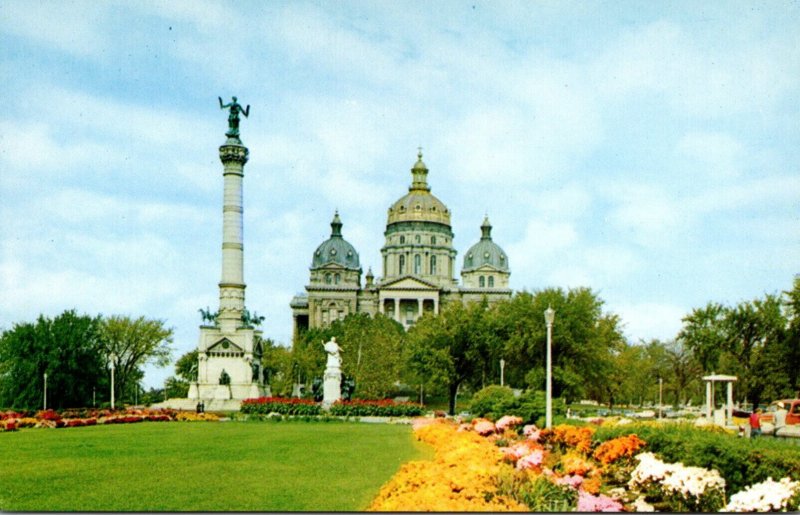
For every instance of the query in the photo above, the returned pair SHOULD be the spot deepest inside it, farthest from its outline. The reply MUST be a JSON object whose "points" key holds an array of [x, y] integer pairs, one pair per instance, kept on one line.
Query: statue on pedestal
{"points": [[334, 356], [233, 116], [332, 389]]}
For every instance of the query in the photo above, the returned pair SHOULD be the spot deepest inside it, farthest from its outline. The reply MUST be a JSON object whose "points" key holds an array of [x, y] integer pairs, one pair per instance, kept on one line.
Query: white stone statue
{"points": [[333, 350]]}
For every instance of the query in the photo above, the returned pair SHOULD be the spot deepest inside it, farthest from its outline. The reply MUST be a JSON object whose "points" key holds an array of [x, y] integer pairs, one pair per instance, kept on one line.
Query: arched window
{"points": [[402, 239], [327, 278], [433, 265], [491, 281], [418, 239], [433, 240], [417, 264], [402, 265], [337, 278], [482, 281]]}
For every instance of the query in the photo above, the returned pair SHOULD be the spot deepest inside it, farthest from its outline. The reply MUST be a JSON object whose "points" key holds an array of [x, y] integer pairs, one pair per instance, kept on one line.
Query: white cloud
{"points": [[649, 320], [648, 215]]}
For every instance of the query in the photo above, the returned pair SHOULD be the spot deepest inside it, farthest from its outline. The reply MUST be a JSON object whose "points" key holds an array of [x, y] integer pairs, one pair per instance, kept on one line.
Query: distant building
{"points": [[419, 263]]}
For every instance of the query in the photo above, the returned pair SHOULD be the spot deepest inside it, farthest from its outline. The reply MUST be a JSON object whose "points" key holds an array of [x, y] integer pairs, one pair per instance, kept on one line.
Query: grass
{"points": [[201, 466]]}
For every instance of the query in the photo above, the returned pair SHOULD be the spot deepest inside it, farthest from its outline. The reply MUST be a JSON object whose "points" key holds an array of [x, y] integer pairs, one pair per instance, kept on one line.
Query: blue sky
{"points": [[648, 150]]}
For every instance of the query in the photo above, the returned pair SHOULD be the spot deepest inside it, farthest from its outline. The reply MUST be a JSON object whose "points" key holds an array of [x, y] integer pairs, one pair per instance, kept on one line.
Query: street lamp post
{"points": [[502, 368], [660, 396], [112, 358], [549, 316], [45, 391]]}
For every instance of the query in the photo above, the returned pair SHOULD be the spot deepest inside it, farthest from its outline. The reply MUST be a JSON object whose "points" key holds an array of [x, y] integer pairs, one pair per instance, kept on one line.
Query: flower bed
{"points": [[11, 421], [383, 408], [566, 468], [460, 478], [282, 405]]}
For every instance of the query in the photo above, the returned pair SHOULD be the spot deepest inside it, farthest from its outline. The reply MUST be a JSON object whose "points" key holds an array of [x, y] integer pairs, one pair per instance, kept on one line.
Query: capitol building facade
{"points": [[419, 266]]}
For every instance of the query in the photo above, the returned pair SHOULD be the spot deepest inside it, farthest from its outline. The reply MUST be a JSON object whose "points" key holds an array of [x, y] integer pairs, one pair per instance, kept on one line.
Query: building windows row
{"points": [[418, 239], [482, 280], [417, 265], [333, 278]]}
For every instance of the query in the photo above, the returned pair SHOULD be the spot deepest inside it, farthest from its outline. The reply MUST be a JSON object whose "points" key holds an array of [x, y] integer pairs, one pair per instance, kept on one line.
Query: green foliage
{"points": [[740, 461], [186, 366], [495, 401], [757, 341], [385, 408], [267, 405], [371, 349], [134, 342], [584, 339], [67, 348], [492, 402], [277, 364], [539, 495], [453, 347]]}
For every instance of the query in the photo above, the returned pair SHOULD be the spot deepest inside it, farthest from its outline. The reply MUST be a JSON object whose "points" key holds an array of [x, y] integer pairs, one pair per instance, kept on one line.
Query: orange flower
{"points": [[575, 463], [579, 438], [621, 447]]}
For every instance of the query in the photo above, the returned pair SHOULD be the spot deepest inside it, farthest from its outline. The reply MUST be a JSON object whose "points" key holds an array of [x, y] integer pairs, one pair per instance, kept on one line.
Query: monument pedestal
{"points": [[194, 393], [332, 386]]}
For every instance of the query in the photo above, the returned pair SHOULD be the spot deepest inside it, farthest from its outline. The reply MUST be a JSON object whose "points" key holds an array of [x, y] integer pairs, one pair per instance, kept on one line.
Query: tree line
{"points": [[75, 352], [456, 352]]}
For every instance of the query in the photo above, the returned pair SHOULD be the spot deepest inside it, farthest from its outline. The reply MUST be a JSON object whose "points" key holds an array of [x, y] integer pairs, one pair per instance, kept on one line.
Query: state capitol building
{"points": [[419, 265]]}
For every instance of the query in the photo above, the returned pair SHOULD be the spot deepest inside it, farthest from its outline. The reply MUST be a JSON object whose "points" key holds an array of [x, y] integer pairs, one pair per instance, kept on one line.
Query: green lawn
{"points": [[202, 466]]}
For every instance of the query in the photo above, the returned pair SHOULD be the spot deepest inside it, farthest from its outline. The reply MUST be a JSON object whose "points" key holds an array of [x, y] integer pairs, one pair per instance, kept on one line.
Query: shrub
{"points": [[383, 408], [495, 401], [282, 405], [492, 402]]}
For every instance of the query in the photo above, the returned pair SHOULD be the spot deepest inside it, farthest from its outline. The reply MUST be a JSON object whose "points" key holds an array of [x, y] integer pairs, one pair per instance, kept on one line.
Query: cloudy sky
{"points": [[648, 150]]}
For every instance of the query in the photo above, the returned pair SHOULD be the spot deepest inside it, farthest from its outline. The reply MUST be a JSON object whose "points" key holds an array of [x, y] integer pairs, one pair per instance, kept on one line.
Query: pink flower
{"points": [[531, 432], [589, 502], [572, 481], [484, 427], [508, 422], [532, 460]]}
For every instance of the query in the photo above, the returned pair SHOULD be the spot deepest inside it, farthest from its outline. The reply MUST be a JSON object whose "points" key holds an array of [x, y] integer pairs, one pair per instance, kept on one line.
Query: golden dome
{"points": [[419, 205]]}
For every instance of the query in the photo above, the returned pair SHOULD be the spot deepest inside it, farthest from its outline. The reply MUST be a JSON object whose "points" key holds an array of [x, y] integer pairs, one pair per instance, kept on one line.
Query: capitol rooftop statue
{"points": [[233, 116]]}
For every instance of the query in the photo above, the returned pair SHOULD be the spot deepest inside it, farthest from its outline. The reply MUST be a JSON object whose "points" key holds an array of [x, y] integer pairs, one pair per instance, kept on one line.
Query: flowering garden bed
{"points": [[282, 405], [486, 466], [13, 420]]}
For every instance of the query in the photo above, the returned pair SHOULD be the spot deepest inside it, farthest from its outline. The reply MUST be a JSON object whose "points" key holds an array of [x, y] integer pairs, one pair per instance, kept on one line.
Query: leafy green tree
{"points": [[452, 347], [134, 343], [584, 339], [277, 362], [186, 366], [752, 340], [371, 348], [67, 348]]}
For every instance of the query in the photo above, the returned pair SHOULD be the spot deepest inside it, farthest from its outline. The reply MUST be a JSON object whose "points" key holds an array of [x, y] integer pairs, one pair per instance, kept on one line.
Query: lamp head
{"points": [[549, 315]]}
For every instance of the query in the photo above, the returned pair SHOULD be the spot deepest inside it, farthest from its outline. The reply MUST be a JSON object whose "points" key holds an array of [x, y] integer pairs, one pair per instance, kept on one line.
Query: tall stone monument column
{"points": [[229, 357]]}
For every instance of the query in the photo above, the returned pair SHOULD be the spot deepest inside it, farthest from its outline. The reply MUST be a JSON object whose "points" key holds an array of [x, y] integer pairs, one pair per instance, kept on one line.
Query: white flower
{"points": [[641, 505], [768, 495]]}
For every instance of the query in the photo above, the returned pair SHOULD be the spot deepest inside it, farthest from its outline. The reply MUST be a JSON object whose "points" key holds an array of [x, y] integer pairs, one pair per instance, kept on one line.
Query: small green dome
{"points": [[336, 250], [485, 252]]}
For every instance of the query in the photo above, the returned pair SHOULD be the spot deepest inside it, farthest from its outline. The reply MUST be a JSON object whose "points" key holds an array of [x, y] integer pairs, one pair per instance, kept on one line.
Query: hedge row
{"points": [[385, 408], [267, 405], [741, 461]]}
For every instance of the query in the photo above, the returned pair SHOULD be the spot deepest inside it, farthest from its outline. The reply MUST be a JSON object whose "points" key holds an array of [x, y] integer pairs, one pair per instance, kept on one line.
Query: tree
{"points": [[186, 366], [452, 347], [752, 340], [584, 339], [67, 348], [371, 348], [134, 343]]}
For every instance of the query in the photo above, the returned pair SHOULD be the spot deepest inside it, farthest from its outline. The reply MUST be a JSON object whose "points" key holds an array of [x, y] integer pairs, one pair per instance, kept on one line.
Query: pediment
{"points": [[225, 345], [485, 268], [408, 283]]}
